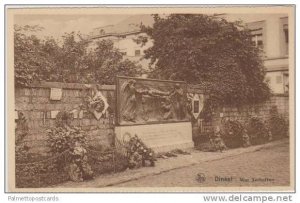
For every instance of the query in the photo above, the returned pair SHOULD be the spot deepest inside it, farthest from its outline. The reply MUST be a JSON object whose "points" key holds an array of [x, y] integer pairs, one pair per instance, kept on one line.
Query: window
{"points": [[257, 38], [137, 52], [286, 38], [286, 82], [257, 30]]}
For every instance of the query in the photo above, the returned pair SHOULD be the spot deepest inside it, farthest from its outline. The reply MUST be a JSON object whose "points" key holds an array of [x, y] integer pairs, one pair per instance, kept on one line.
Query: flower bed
{"points": [[232, 133], [258, 131]]}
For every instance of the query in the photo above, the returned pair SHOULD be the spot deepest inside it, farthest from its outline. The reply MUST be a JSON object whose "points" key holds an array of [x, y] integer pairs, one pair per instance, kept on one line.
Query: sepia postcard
{"points": [[150, 99]]}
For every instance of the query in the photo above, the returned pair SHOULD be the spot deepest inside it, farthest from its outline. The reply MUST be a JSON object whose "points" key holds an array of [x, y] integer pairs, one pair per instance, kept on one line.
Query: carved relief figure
{"points": [[142, 102], [166, 107], [132, 96], [177, 96]]}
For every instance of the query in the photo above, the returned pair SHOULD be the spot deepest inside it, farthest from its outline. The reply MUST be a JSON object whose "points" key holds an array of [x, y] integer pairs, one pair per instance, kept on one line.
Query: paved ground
{"points": [[268, 164]]}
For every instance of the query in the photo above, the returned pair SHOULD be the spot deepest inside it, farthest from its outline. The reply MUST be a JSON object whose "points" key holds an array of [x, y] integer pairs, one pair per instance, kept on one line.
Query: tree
{"points": [[71, 60], [105, 62], [28, 55], [212, 52]]}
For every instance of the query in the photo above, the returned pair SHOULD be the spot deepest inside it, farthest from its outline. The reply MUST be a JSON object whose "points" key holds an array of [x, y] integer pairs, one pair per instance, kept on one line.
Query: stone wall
{"points": [[35, 103], [259, 110], [243, 113]]}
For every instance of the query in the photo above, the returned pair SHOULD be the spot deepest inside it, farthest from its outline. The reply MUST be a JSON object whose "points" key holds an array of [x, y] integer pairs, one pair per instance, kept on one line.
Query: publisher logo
{"points": [[201, 177]]}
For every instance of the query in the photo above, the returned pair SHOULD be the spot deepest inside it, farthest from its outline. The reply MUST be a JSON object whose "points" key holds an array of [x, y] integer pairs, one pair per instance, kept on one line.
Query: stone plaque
{"points": [[54, 113], [160, 137], [55, 94], [148, 101]]}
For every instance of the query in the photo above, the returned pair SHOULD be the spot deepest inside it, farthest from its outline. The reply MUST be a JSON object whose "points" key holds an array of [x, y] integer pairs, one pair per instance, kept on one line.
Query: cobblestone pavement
{"points": [[268, 166]]}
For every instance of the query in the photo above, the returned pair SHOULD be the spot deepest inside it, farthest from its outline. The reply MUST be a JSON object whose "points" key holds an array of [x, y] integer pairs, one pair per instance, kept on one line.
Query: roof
{"points": [[129, 26], [114, 34]]}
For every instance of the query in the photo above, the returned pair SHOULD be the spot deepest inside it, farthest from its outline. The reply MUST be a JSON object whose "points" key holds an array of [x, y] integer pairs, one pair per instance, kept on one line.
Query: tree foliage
{"points": [[28, 56], [70, 60], [206, 50]]}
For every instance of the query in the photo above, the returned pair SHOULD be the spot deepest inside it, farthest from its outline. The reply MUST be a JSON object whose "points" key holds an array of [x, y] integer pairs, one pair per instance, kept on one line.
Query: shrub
{"points": [[22, 152], [277, 124], [69, 141], [257, 131], [107, 161], [217, 141], [121, 162], [61, 139], [202, 142], [41, 174], [233, 133], [63, 118], [21, 131]]}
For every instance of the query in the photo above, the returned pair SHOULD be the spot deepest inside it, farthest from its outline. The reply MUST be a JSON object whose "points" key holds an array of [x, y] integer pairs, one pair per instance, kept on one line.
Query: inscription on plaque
{"points": [[160, 137]]}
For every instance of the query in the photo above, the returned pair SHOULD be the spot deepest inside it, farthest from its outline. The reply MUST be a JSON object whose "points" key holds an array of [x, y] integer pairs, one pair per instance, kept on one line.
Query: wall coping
{"points": [[62, 85], [279, 95], [44, 84]]}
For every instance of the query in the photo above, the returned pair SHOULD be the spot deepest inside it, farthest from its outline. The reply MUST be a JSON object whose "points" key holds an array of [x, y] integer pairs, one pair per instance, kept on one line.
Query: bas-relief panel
{"points": [[144, 101]]}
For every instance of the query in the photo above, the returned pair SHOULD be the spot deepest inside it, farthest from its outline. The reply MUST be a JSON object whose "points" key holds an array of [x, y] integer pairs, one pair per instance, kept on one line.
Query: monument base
{"points": [[160, 137]]}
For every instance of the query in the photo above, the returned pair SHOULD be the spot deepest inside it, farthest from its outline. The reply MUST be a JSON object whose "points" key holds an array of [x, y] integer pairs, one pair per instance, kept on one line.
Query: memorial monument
{"points": [[154, 110]]}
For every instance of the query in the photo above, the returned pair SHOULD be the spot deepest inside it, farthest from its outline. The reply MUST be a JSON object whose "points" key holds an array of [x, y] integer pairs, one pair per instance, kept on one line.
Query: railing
{"points": [[52, 170], [41, 173]]}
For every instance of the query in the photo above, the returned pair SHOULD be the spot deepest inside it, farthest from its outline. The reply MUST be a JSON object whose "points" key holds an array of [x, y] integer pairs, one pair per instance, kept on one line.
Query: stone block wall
{"points": [[243, 113], [259, 110], [34, 102]]}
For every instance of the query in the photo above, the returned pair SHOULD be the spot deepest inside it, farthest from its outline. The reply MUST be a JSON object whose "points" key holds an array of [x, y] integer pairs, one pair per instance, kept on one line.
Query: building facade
{"points": [[123, 35], [125, 43], [270, 32]]}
